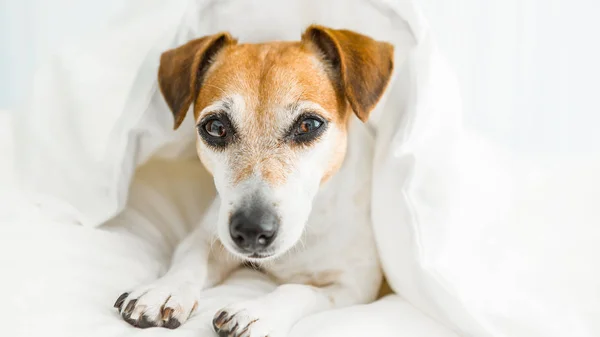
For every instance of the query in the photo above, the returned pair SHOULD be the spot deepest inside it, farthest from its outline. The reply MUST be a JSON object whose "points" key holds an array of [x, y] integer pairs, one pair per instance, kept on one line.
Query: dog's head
{"points": [[272, 121]]}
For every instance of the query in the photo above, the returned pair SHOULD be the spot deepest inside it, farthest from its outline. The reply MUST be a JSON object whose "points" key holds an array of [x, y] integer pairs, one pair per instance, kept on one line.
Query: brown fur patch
{"points": [[267, 76]]}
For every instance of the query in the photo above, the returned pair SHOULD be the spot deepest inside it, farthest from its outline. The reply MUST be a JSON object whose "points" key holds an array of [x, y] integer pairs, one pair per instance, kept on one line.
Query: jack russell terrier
{"points": [[274, 122]]}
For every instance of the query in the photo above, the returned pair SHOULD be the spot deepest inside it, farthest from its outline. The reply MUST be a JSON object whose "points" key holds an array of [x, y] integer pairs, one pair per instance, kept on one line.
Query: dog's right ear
{"points": [[182, 70], [361, 67]]}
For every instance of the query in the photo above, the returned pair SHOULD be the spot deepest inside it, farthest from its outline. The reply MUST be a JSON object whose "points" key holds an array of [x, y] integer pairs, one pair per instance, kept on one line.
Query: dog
{"points": [[277, 129]]}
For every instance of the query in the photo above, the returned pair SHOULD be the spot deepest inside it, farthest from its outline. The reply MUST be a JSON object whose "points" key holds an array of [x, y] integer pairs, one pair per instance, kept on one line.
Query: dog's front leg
{"points": [[274, 314], [171, 300]]}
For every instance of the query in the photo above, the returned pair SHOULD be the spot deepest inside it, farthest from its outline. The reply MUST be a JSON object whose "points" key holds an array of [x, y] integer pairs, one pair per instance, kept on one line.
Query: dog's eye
{"points": [[307, 128], [308, 125], [215, 128]]}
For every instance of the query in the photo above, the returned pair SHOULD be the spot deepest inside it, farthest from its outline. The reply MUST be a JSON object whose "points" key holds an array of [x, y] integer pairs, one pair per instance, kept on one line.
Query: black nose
{"points": [[253, 229]]}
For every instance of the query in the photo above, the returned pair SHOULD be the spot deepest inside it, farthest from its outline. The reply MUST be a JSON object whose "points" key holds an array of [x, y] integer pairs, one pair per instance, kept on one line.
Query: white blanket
{"points": [[465, 233]]}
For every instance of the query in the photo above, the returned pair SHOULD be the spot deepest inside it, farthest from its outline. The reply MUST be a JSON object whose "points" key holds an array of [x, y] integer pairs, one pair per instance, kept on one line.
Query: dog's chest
{"points": [[337, 236]]}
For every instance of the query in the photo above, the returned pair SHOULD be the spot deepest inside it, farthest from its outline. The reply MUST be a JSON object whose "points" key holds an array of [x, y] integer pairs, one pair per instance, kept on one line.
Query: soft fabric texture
{"points": [[467, 235]]}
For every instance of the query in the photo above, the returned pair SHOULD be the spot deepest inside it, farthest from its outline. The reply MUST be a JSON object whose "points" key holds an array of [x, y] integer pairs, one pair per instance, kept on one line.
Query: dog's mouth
{"points": [[259, 256], [255, 256]]}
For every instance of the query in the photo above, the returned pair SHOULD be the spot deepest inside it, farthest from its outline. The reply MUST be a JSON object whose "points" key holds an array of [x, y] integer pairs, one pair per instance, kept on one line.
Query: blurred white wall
{"points": [[31, 30], [529, 69]]}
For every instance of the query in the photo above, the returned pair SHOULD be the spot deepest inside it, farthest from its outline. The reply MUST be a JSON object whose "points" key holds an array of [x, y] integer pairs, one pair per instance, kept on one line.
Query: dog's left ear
{"points": [[181, 71], [360, 66]]}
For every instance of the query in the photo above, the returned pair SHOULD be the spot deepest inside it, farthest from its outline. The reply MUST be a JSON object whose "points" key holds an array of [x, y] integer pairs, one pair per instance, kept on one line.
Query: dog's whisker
{"points": [[212, 243]]}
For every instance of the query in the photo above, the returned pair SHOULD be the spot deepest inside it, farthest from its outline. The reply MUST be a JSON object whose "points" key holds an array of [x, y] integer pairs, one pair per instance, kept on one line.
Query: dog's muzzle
{"points": [[253, 229]]}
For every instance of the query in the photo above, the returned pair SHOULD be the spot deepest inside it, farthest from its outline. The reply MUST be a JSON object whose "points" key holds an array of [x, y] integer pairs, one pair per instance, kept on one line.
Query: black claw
{"points": [[129, 307], [219, 320], [172, 323], [119, 303]]}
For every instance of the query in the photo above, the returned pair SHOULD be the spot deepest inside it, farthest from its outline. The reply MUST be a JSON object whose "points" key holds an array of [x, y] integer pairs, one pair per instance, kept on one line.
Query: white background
{"points": [[529, 69]]}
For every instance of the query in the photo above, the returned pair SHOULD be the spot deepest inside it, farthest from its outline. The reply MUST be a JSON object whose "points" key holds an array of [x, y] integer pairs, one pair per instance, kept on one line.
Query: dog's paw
{"points": [[249, 319], [157, 306]]}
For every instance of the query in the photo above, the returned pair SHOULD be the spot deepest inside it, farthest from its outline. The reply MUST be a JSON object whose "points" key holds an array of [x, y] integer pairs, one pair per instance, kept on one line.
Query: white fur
{"points": [[326, 257]]}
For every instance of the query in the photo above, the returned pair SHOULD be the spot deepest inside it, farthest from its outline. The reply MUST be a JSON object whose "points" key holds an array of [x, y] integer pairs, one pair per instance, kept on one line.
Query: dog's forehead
{"points": [[269, 78]]}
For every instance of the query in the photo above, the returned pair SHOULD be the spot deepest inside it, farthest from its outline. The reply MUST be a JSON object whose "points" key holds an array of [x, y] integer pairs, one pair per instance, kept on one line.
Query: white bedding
{"points": [[467, 234]]}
